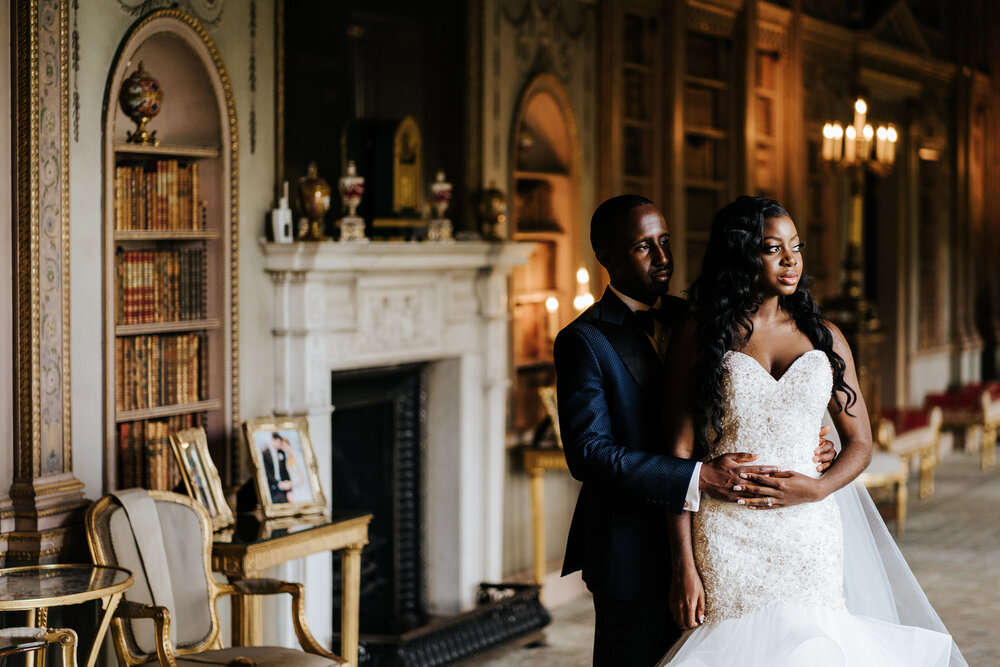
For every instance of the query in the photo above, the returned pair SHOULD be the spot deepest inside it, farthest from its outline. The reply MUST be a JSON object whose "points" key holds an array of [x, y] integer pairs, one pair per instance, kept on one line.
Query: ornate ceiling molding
{"points": [[546, 30], [208, 12]]}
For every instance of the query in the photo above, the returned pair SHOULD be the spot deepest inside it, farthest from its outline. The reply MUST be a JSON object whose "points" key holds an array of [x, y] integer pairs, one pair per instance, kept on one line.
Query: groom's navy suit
{"points": [[610, 385]]}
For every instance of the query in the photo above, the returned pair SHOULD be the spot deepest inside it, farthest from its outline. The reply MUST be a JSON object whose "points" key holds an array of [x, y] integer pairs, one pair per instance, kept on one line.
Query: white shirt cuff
{"points": [[693, 498]]}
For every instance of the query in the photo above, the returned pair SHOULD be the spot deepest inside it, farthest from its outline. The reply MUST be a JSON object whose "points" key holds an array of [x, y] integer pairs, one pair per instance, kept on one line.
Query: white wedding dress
{"points": [[775, 590]]}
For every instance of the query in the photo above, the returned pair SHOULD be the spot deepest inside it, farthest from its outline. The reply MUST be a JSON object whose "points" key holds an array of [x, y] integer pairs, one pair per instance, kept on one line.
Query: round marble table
{"points": [[35, 588]]}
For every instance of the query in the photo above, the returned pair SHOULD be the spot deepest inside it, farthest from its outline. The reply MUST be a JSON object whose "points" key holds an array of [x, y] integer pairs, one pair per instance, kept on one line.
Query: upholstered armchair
{"points": [[169, 615]]}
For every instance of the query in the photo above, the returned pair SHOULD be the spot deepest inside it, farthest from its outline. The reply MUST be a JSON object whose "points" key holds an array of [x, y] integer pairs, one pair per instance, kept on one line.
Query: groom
{"points": [[610, 382]]}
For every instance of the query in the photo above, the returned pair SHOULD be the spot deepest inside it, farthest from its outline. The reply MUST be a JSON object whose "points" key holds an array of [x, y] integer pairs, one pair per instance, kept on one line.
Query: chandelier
{"points": [[854, 144]]}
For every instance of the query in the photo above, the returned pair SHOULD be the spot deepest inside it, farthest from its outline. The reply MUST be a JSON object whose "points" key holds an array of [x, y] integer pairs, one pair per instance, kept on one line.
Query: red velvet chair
{"points": [[975, 406]]}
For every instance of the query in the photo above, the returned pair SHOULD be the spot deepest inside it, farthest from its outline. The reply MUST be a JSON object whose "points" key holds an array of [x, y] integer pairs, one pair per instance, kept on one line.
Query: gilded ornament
{"points": [[314, 197], [140, 99]]}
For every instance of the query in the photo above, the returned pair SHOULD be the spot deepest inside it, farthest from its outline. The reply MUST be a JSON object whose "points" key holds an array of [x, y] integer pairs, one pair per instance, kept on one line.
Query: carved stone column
{"points": [[47, 500]]}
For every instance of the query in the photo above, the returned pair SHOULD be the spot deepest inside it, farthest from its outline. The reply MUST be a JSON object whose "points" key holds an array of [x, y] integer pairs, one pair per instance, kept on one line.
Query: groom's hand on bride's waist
{"points": [[719, 477]]}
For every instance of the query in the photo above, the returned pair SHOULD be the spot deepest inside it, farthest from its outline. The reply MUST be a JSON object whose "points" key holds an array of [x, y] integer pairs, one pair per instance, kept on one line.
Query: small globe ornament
{"points": [[141, 98]]}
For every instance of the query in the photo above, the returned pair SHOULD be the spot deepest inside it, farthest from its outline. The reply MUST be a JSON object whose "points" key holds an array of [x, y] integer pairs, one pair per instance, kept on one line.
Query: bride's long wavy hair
{"points": [[726, 295]]}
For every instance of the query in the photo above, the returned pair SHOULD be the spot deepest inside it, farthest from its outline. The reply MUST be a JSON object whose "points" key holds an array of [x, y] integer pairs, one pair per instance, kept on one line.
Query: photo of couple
{"points": [[284, 466], [286, 475], [718, 522]]}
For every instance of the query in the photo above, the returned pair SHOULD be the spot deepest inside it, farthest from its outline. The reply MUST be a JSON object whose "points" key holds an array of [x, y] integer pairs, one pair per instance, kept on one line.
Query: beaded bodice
{"points": [[749, 559]]}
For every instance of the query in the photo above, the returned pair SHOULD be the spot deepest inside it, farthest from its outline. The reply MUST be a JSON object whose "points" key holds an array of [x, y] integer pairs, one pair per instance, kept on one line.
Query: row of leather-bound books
{"points": [[159, 285], [144, 455], [158, 195], [161, 370]]}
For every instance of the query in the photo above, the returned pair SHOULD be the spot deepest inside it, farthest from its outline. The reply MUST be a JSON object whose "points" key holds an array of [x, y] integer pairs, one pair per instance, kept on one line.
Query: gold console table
{"points": [[255, 545], [536, 461]]}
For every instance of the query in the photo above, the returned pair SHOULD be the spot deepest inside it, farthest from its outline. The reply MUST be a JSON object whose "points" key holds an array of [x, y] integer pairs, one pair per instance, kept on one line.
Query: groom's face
{"points": [[639, 261]]}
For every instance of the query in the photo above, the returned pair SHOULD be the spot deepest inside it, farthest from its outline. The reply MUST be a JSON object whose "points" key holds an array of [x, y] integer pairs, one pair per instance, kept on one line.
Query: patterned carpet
{"points": [[952, 543]]}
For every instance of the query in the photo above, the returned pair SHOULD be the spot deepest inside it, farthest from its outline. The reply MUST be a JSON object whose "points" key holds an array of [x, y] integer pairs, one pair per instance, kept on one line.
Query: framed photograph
{"points": [[285, 469], [201, 477]]}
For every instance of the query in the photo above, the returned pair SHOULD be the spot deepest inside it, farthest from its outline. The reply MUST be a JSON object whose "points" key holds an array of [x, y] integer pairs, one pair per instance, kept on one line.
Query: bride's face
{"points": [[781, 257]]}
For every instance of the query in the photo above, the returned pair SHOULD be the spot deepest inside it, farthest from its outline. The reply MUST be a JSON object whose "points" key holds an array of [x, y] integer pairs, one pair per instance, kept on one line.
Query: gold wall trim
{"points": [[42, 431]]}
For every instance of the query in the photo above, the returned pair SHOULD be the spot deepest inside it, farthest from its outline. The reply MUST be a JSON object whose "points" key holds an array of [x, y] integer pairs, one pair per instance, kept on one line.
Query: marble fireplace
{"points": [[353, 308]]}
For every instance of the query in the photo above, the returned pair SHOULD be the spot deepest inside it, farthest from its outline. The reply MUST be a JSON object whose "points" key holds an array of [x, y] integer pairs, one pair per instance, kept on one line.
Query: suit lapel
{"points": [[619, 325]]}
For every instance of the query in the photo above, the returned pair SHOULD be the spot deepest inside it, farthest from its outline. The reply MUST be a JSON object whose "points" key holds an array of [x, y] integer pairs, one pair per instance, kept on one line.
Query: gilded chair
{"points": [[913, 434], [889, 472], [15, 641], [165, 538]]}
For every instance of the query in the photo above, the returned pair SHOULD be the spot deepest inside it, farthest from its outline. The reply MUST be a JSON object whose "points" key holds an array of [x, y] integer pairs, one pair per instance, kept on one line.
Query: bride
{"points": [[766, 582]]}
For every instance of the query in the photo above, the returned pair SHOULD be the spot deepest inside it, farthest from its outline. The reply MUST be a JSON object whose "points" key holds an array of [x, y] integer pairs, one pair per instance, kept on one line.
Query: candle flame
{"points": [[552, 304], [861, 106], [890, 134]]}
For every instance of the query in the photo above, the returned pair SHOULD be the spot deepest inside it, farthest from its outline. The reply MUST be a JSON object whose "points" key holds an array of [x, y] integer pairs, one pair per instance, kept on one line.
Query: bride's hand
{"points": [[780, 489], [719, 476], [687, 598]]}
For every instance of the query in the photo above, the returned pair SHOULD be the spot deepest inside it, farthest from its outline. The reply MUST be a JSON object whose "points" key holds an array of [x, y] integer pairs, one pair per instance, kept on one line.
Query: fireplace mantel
{"points": [[342, 307]]}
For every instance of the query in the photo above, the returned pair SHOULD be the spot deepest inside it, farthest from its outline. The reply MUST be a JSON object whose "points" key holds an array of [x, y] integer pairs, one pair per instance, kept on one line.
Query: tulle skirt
{"points": [[794, 635]]}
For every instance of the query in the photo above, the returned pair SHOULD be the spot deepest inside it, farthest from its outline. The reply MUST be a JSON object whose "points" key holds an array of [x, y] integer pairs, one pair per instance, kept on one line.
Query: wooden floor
{"points": [[952, 543]]}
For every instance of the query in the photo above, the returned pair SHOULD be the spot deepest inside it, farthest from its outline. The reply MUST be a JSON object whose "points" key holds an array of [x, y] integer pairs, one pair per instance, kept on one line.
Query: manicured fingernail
{"points": [[741, 502], [701, 619], [737, 488], [743, 475]]}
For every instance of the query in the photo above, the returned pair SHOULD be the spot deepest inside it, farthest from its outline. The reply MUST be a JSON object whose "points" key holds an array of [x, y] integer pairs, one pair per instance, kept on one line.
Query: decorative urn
{"points": [[352, 188], [439, 229], [440, 194], [314, 195], [140, 98]]}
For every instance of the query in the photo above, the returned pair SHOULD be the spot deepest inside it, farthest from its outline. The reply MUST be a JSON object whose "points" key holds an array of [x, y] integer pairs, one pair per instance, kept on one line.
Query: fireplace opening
{"points": [[378, 433]]}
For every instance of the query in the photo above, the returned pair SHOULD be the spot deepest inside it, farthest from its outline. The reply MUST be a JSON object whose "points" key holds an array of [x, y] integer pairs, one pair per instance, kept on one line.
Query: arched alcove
{"points": [[545, 188], [170, 256]]}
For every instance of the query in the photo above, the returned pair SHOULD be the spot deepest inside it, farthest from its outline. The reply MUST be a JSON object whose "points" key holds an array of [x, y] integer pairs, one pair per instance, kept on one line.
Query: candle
{"points": [[838, 141], [828, 142], [890, 147], [880, 143], [866, 145], [860, 113], [850, 144], [552, 306]]}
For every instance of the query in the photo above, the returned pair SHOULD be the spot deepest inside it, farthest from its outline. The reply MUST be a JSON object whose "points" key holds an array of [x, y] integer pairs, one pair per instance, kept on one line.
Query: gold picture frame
{"points": [[286, 474], [201, 477]]}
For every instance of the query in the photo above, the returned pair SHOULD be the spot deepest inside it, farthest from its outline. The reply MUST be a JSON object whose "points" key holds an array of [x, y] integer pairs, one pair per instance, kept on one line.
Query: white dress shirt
{"points": [[692, 500]]}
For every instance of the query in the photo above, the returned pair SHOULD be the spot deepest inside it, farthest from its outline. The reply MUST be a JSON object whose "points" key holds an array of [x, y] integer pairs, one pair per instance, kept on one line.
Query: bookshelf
{"points": [[545, 211], [633, 121], [170, 258], [708, 152]]}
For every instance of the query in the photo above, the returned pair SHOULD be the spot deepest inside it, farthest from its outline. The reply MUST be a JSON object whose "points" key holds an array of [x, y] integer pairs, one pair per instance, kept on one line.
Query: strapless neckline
{"points": [[765, 371]]}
